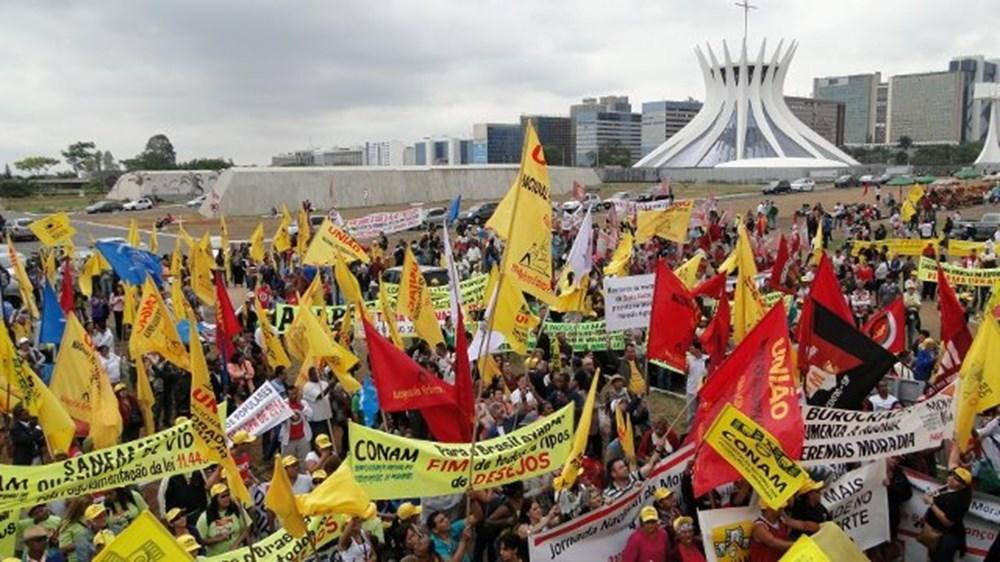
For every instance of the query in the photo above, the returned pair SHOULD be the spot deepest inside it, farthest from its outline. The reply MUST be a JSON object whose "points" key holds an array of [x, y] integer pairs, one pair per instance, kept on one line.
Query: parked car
{"points": [[846, 180], [477, 214], [803, 184], [435, 276], [104, 207], [434, 215], [867, 178], [884, 178], [196, 202], [8, 280], [18, 230], [982, 229], [590, 201], [621, 196], [140, 204], [777, 188]]}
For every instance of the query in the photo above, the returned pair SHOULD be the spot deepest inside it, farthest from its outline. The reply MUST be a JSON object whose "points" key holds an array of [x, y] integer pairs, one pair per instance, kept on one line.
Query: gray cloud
{"points": [[248, 79]]}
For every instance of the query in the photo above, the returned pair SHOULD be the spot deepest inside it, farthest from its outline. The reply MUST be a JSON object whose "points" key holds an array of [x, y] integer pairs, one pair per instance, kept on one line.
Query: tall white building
{"points": [[975, 69], [385, 153]]}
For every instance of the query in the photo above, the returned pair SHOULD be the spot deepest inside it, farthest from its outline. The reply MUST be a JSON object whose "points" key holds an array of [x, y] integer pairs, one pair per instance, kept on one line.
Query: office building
{"points": [[662, 119], [341, 156], [605, 125], [881, 112], [442, 151], [824, 117], [384, 153], [925, 107], [974, 70], [555, 134], [859, 94], [496, 143], [297, 158]]}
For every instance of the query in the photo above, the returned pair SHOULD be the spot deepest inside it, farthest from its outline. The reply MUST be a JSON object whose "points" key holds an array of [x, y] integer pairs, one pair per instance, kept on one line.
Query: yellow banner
{"points": [[670, 223], [281, 545], [757, 455], [389, 466], [77, 368], [53, 230], [154, 330], [805, 550], [329, 239], [731, 542], [829, 543], [956, 275], [8, 530], [896, 246], [141, 540], [962, 248]]}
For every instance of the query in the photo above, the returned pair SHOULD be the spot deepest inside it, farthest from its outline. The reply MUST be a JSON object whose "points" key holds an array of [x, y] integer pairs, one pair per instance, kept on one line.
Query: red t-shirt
{"points": [[642, 547], [296, 429]]}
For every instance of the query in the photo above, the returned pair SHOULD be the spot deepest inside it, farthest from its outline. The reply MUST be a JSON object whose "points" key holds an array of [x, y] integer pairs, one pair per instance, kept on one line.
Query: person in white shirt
{"points": [[697, 368], [315, 393], [103, 336], [882, 401], [112, 364], [523, 393]]}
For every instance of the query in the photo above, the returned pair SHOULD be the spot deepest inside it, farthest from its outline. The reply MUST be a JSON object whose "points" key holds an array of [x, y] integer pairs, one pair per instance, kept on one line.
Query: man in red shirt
{"points": [[649, 542]]}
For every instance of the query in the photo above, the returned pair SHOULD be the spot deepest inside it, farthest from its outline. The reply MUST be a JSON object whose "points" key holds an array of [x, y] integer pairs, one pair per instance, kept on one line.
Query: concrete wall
{"points": [[253, 191], [169, 184]]}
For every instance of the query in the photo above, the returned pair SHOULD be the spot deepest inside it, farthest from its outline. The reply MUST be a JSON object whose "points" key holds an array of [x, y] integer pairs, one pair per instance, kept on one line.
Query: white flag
{"points": [[581, 257]]}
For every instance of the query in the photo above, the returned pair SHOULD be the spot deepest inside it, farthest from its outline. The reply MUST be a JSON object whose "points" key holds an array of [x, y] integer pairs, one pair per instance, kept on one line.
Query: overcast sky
{"points": [[248, 79]]}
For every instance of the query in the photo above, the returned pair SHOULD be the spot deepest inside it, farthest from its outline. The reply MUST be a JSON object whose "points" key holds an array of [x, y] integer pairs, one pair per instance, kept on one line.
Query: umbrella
{"points": [[901, 180], [967, 174], [925, 180]]}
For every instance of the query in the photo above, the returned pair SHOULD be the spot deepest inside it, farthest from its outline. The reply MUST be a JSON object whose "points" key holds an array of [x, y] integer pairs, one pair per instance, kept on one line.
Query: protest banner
{"points": [[858, 504], [726, 533], [53, 230], [838, 436], [141, 540], [896, 246], [962, 248], [281, 545], [390, 466], [927, 271], [471, 290], [263, 410], [375, 224], [161, 455], [756, 455], [583, 336], [601, 534], [8, 530], [628, 301], [982, 522]]}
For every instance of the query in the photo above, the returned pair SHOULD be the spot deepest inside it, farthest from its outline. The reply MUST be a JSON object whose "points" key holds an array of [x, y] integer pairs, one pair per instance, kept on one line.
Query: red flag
{"points": [[778, 273], [715, 338], [711, 287], [757, 379], [403, 385], [66, 292], [825, 289], [579, 192], [226, 325], [955, 336], [464, 394], [673, 319], [888, 326]]}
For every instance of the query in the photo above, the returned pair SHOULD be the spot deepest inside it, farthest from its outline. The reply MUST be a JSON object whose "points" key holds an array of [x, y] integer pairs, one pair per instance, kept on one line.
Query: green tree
{"points": [[77, 153], [158, 155], [905, 142], [554, 155], [206, 164], [35, 164], [6, 172], [614, 154], [901, 158]]}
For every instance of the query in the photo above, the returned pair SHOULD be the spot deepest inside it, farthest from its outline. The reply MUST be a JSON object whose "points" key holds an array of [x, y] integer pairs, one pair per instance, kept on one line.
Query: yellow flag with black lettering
{"points": [[146, 536], [511, 315], [274, 352], [389, 317], [24, 283], [414, 301], [619, 262], [687, 272], [257, 243], [282, 240], [670, 223], [155, 331], [748, 305], [302, 237], [979, 380], [330, 240], [176, 262], [523, 219], [53, 230], [202, 280]]}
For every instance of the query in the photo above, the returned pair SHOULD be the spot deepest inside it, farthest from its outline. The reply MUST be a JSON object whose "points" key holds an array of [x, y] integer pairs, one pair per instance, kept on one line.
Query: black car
{"points": [[104, 207], [777, 187], [846, 180], [478, 214]]}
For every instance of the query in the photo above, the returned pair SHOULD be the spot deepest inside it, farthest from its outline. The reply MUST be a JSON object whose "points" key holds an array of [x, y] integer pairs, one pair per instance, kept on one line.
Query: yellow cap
{"points": [[811, 485], [188, 543], [173, 514], [662, 493], [94, 511], [289, 460], [242, 437], [323, 441], [319, 475], [180, 419], [120, 386], [648, 514], [962, 474], [683, 521], [104, 538], [370, 511], [407, 510], [218, 489]]}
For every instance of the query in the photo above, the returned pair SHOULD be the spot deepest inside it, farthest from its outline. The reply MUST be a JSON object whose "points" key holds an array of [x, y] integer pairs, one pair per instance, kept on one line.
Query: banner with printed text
{"points": [[583, 336], [956, 275], [281, 545], [600, 535], [858, 504], [263, 410], [389, 466], [628, 301], [896, 246], [841, 436], [375, 224], [726, 533]]}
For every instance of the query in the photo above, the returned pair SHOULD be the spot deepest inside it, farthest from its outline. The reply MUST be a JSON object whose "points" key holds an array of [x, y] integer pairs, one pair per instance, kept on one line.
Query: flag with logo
{"points": [[53, 230], [414, 301], [328, 241], [748, 306], [670, 223], [154, 331]]}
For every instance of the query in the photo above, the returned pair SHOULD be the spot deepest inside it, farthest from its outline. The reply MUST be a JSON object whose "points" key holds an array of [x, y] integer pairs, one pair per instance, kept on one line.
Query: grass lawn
{"points": [[49, 203], [682, 190]]}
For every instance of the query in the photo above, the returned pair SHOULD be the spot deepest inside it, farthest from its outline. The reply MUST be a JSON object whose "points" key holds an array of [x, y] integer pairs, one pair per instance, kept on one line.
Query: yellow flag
{"points": [[179, 303], [389, 317], [145, 396], [24, 283], [623, 424], [128, 314], [523, 219], [210, 439], [670, 223], [224, 248], [489, 370], [154, 244], [414, 301], [49, 263], [511, 317], [817, 249], [281, 500], [184, 236], [348, 283], [133, 234], [56, 424], [773, 474], [907, 210], [339, 493], [573, 298], [346, 327], [274, 352], [146, 536], [53, 230], [979, 380], [257, 243], [302, 238], [91, 269], [322, 345], [201, 272], [829, 543], [572, 468], [748, 306], [618, 265], [687, 272], [328, 241], [282, 240], [155, 331]]}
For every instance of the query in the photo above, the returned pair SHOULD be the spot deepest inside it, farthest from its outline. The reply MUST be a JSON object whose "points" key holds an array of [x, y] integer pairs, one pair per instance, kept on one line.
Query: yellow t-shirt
{"points": [[636, 382]]}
